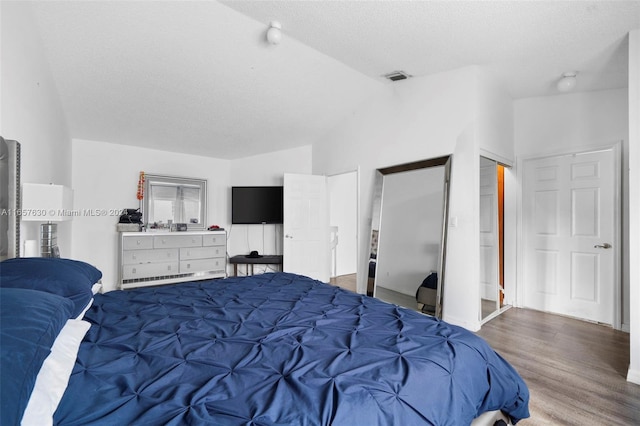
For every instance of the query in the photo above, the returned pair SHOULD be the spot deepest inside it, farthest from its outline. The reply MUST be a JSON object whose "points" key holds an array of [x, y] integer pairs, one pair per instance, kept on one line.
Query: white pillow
{"points": [[84, 311], [53, 377], [95, 289]]}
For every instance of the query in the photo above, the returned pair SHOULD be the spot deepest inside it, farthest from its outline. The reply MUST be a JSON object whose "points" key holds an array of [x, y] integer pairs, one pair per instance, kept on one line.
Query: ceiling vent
{"points": [[397, 76]]}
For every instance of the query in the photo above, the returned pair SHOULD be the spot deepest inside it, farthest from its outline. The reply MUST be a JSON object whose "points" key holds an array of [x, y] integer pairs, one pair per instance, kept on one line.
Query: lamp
{"points": [[568, 81], [274, 33], [50, 203]]}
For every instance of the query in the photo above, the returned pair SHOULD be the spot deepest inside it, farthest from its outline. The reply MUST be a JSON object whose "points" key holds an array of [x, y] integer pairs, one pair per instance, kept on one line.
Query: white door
{"points": [[489, 262], [306, 226], [569, 231]]}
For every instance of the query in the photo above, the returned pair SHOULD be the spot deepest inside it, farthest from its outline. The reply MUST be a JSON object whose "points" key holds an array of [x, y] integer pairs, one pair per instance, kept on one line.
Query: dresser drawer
{"points": [[131, 257], [201, 265], [177, 241], [137, 243], [217, 239], [147, 270], [162, 257], [202, 252]]}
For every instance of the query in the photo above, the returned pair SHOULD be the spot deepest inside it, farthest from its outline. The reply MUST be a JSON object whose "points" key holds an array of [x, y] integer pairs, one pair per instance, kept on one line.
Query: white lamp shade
{"points": [[43, 202]]}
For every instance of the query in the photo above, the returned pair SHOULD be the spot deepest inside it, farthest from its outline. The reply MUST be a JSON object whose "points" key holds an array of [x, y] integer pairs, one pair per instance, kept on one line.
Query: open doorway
{"points": [[343, 222], [492, 238]]}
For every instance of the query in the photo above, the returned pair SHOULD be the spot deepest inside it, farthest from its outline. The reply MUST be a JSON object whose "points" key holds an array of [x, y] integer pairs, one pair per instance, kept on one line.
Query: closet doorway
{"points": [[492, 238]]}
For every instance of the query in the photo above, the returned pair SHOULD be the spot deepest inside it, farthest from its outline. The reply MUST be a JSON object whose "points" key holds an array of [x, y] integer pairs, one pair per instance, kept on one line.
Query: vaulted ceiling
{"points": [[199, 76]]}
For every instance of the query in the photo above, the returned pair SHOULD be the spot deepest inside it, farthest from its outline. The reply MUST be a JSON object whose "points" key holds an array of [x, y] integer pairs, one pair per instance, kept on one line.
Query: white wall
{"points": [[634, 203], [576, 121], [494, 119], [263, 170], [411, 229], [417, 119], [268, 169], [105, 176], [462, 271], [30, 110]]}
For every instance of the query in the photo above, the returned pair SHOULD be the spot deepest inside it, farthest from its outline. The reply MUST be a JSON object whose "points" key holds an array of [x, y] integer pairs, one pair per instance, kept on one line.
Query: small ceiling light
{"points": [[568, 81], [274, 33]]}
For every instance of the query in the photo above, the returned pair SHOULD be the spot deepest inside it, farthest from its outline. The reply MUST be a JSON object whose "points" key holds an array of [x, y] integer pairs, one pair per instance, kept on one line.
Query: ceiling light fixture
{"points": [[568, 81], [274, 33]]}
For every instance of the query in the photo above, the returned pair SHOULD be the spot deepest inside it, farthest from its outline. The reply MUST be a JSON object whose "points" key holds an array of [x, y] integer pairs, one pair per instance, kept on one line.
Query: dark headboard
{"points": [[9, 199]]}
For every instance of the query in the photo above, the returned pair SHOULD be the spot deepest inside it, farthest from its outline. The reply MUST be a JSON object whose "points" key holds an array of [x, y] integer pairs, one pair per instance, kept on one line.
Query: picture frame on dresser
{"points": [[163, 257]]}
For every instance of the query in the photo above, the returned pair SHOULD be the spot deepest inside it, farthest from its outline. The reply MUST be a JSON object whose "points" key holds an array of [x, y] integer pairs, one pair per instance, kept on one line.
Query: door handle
{"points": [[603, 246], [288, 236]]}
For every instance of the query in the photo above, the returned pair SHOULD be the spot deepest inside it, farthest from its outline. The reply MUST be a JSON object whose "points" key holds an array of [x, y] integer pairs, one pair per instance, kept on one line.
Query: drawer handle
{"points": [[188, 266], [134, 257], [133, 271], [138, 242], [168, 267]]}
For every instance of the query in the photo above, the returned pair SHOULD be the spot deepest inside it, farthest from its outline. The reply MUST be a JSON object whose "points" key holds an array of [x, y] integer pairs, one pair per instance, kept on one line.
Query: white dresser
{"points": [[154, 258]]}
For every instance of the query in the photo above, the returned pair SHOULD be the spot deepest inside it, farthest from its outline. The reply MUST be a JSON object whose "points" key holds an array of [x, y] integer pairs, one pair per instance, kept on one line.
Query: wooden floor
{"points": [[347, 282], [575, 370]]}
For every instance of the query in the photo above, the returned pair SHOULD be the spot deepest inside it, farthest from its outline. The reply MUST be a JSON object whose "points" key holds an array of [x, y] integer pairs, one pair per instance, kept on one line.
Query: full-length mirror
{"points": [[408, 234], [169, 200]]}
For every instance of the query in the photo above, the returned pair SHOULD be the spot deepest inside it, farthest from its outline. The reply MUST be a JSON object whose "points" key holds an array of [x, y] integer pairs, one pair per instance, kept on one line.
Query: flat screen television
{"points": [[256, 205]]}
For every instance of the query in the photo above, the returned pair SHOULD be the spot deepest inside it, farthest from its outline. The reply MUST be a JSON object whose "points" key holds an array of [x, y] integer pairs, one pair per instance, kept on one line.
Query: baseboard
{"points": [[469, 325], [633, 376]]}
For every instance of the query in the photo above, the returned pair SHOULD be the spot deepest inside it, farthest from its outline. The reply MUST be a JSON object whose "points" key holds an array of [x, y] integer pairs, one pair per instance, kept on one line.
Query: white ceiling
{"points": [[199, 77]]}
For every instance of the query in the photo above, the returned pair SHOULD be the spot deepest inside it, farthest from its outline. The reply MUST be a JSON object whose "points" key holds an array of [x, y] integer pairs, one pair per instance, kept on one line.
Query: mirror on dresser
{"points": [[163, 256], [169, 200]]}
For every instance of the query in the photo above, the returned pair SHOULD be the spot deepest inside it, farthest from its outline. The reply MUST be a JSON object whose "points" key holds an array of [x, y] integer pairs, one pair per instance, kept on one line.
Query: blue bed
{"points": [[279, 349], [272, 349]]}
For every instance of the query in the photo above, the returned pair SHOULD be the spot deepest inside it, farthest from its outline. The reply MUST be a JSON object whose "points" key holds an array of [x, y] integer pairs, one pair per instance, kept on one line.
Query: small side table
{"points": [[242, 259]]}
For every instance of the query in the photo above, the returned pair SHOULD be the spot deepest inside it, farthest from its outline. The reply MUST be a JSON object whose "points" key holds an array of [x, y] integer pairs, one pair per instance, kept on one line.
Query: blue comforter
{"points": [[279, 349]]}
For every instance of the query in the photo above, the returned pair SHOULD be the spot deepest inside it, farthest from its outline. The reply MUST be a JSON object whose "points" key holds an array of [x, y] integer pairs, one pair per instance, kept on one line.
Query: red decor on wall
{"points": [[140, 194]]}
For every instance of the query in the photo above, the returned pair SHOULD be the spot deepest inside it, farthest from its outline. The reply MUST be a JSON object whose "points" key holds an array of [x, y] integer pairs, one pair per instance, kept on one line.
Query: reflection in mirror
{"points": [[376, 210], [408, 234], [169, 200]]}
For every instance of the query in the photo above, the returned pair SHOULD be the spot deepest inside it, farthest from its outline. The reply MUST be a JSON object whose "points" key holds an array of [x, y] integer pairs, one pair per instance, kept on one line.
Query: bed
{"points": [[270, 349]]}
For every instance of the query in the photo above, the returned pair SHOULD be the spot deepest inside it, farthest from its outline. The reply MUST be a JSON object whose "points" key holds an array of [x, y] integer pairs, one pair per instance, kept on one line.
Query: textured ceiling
{"points": [[528, 43], [198, 77]]}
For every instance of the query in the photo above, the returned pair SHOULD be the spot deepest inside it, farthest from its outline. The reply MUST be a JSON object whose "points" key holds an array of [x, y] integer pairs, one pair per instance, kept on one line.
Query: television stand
{"points": [[242, 259]]}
